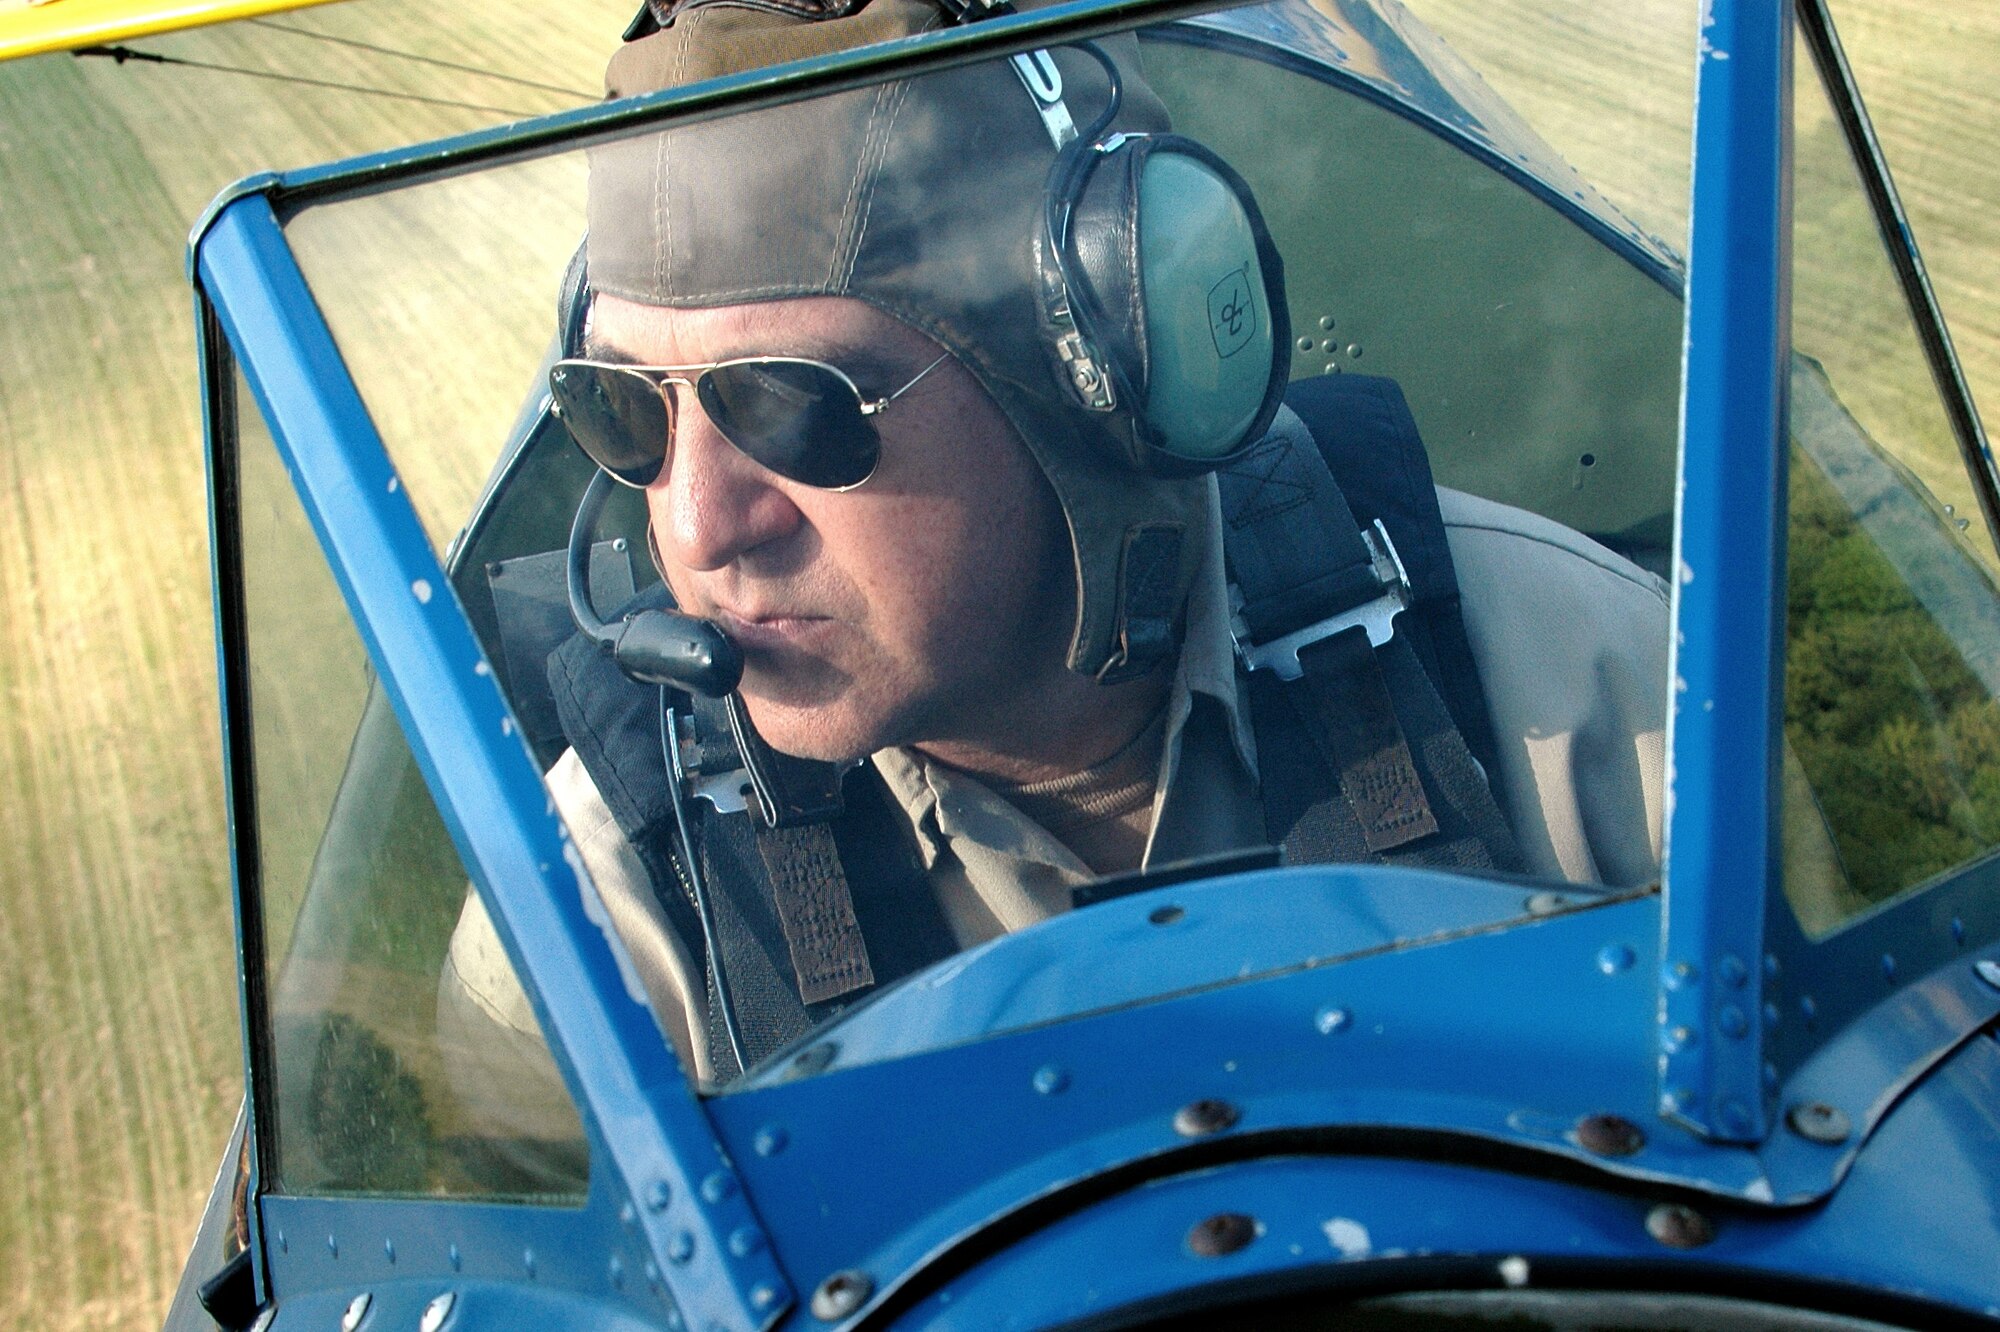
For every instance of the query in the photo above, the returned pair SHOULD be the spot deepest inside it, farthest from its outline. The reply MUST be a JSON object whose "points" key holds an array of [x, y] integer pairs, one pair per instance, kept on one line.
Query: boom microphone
{"points": [[659, 647]]}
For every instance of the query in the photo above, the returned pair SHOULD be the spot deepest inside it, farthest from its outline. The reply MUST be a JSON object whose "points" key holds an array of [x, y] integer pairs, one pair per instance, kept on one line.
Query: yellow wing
{"points": [[30, 27]]}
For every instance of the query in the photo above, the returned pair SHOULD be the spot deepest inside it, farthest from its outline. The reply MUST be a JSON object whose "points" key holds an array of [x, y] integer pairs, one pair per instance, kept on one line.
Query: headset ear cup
{"points": [[1218, 329], [1176, 288]]}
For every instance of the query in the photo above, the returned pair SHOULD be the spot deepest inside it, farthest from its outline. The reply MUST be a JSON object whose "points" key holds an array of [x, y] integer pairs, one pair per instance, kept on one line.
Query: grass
{"points": [[118, 1027]]}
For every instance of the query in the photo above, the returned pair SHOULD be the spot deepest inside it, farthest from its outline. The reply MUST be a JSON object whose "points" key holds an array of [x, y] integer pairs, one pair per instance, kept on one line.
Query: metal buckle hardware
{"points": [[969, 11], [1281, 655], [1087, 380], [728, 791], [1043, 81]]}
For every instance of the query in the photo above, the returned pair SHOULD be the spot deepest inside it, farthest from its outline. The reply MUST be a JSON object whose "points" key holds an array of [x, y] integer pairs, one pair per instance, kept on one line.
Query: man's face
{"points": [[927, 607]]}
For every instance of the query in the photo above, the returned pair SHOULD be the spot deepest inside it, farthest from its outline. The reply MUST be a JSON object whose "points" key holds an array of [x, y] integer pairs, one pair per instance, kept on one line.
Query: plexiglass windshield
{"points": [[1245, 441]]}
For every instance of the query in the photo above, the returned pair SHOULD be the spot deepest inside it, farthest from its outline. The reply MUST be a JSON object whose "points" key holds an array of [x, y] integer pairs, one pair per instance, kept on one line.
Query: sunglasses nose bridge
{"points": [[670, 386], [687, 412]]}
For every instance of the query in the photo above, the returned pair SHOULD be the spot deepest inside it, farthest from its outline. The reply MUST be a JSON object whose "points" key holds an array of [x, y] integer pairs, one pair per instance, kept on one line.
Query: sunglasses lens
{"points": [[801, 420], [618, 418]]}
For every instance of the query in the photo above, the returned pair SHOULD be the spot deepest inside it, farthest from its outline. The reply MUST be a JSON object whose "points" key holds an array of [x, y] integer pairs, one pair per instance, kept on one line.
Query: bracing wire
{"points": [[121, 54], [422, 59]]}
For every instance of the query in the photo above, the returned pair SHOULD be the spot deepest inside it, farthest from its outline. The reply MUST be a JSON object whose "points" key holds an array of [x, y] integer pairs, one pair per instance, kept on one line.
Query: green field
{"points": [[120, 1039], [118, 1026]]}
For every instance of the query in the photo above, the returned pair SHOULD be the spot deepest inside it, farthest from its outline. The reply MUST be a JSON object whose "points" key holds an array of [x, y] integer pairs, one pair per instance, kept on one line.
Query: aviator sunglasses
{"points": [[804, 420]]}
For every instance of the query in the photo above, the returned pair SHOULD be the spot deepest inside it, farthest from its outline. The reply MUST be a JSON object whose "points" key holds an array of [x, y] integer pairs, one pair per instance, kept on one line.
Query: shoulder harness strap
{"points": [[815, 889], [1362, 755]]}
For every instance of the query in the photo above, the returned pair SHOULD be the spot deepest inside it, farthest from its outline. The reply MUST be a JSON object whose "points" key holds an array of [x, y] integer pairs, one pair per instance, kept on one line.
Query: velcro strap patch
{"points": [[816, 909], [1360, 737]]}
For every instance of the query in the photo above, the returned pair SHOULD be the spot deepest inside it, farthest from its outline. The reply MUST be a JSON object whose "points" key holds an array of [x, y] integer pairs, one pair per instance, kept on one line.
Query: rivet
{"points": [[1545, 903], [453, 1257], [1305, 344], [1050, 1080], [1326, 322], [617, 1272], [1732, 1021], [1676, 1039], [1957, 930], [1609, 1135], [1888, 966], [841, 1294], [1987, 970], [1514, 1271], [1330, 1020], [770, 1140], [1773, 1015], [1679, 1226], [357, 1309], [717, 1187], [813, 1059], [1808, 1009], [1614, 958], [1770, 1076], [1165, 915], [436, 1312], [1198, 1119], [333, 1246], [1732, 971], [1676, 1101], [763, 1296], [1221, 1234], [618, 544], [745, 1240], [1354, 349], [1680, 975], [680, 1248], [1735, 1116], [659, 1196], [284, 1245], [528, 1263], [1771, 968], [1816, 1121], [389, 1251]]}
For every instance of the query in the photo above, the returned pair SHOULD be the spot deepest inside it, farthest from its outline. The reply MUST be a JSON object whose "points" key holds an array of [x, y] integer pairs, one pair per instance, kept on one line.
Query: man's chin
{"points": [[820, 733]]}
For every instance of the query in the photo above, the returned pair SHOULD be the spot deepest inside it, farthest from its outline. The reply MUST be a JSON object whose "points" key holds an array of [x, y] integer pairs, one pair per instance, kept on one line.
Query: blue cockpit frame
{"points": [[1678, 1008]]}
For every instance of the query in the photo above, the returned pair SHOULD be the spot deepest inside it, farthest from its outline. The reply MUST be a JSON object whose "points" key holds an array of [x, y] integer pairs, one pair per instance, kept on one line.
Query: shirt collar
{"points": [[944, 804]]}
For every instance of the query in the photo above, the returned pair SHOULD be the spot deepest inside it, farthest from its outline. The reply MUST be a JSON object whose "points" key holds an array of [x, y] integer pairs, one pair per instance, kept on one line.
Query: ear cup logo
{"points": [[1232, 313]]}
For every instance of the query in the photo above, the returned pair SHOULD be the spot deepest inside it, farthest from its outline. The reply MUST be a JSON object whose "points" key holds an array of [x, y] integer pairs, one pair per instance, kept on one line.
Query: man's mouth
{"points": [[767, 630]]}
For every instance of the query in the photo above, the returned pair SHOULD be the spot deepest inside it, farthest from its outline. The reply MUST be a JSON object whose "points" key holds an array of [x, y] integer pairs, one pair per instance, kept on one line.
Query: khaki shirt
{"points": [[1571, 645]]}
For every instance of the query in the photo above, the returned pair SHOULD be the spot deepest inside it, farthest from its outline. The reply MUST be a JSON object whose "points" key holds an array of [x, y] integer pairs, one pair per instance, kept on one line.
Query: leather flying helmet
{"points": [[1117, 298]]}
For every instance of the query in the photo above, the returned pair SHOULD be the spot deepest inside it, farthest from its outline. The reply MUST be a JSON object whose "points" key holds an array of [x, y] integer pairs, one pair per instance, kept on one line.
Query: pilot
{"points": [[961, 408]]}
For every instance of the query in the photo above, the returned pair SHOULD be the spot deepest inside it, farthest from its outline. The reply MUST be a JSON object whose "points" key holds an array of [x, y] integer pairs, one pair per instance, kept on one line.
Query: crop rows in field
{"points": [[118, 1028]]}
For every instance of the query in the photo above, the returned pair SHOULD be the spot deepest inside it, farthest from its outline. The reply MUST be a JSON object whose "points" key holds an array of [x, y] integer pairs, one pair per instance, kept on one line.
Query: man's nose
{"points": [[710, 503]]}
